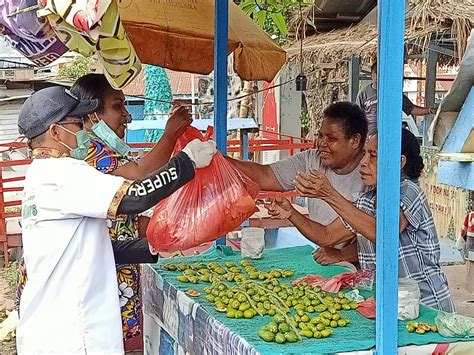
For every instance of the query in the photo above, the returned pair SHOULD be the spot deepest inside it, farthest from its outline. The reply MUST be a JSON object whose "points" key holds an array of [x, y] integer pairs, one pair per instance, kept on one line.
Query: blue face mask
{"points": [[83, 143], [104, 132]]}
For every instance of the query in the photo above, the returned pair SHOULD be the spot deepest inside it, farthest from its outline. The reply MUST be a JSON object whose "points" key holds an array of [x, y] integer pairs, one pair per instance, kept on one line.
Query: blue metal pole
{"points": [[391, 25], [221, 37], [221, 17]]}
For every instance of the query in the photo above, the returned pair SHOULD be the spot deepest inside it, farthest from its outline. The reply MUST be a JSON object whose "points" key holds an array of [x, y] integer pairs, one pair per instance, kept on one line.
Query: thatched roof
{"points": [[426, 19], [325, 54], [334, 46], [455, 15]]}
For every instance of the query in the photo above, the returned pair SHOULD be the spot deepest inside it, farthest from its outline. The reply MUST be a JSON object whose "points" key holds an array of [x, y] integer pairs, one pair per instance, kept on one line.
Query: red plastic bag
{"points": [[215, 202], [367, 308], [359, 279]]}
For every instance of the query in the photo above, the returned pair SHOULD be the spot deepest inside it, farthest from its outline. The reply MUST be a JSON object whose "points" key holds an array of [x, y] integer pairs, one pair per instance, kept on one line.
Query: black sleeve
{"points": [[145, 193], [407, 105], [134, 251]]}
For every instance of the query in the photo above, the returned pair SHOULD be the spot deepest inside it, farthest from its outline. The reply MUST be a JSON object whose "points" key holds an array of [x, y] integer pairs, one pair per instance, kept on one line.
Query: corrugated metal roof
{"points": [[180, 83], [12, 94], [9, 122], [332, 14]]}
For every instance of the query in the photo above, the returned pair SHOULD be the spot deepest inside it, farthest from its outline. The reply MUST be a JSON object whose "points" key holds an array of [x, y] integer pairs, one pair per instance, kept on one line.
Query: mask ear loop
{"points": [[58, 141], [96, 116]]}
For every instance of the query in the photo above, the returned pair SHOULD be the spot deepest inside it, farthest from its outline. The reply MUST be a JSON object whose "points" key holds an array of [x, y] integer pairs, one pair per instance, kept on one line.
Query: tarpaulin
{"points": [[179, 35]]}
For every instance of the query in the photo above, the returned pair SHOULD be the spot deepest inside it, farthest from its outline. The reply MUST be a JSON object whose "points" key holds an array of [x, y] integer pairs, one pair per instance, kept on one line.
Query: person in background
{"points": [[419, 249], [337, 155], [70, 302], [367, 100], [109, 154]]}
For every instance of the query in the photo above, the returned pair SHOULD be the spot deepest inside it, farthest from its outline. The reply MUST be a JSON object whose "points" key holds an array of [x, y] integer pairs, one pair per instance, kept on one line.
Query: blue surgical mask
{"points": [[105, 133], [83, 143]]}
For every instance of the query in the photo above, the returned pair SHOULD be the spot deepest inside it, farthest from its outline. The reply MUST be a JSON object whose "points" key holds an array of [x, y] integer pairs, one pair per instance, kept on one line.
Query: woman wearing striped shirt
{"points": [[419, 250]]}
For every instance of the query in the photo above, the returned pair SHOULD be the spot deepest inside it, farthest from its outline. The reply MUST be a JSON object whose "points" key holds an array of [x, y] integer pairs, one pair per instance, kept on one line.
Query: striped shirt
{"points": [[418, 250]]}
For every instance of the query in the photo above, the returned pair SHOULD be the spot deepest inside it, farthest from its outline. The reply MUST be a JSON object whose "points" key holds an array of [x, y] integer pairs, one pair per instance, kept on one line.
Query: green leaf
{"points": [[246, 3], [249, 9], [261, 16], [279, 21]]}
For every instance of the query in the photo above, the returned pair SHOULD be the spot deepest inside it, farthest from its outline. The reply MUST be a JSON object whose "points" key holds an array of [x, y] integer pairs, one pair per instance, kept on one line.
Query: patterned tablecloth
{"points": [[177, 324]]}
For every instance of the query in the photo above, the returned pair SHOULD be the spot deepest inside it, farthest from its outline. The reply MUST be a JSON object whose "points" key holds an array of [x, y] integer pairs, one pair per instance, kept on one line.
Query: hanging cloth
{"points": [[27, 34], [89, 27]]}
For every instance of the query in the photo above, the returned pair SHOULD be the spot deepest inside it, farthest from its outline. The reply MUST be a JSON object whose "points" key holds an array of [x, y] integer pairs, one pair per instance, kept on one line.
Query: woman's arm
{"points": [[160, 154], [329, 235], [316, 185], [136, 251], [329, 255], [143, 226], [260, 174]]}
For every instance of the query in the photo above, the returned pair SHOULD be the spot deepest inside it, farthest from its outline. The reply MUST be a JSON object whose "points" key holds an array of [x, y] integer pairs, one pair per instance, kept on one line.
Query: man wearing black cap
{"points": [[70, 304]]}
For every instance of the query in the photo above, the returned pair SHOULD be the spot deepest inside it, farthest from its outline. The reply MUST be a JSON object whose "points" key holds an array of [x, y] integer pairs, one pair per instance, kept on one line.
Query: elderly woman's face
{"points": [[115, 114], [336, 150], [368, 164]]}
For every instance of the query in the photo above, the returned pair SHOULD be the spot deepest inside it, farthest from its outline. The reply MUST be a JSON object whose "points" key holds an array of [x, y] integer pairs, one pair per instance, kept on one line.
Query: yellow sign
{"points": [[448, 204]]}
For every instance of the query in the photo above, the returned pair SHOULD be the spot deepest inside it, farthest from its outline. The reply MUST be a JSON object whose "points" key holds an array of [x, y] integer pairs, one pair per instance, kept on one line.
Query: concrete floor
{"points": [[463, 299]]}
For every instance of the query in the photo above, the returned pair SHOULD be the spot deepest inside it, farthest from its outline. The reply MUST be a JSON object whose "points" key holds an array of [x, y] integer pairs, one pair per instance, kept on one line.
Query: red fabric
{"points": [[441, 349], [367, 308], [134, 344], [335, 283], [215, 202], [467, 229], [270, 122]]}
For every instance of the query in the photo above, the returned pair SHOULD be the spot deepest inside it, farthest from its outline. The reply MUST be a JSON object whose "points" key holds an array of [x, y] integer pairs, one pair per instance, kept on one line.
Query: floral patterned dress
{"points": [[106, 160]]}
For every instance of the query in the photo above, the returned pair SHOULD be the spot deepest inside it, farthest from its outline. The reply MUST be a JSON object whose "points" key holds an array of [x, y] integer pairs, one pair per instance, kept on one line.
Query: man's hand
{"points": [[201, 153], [179, 120], [327, 255], [314, 185], [280, 208]]}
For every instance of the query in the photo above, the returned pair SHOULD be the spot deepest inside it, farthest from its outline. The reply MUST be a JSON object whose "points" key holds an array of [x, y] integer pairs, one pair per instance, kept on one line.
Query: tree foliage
{"points": [[271, 15], [74, 70]]}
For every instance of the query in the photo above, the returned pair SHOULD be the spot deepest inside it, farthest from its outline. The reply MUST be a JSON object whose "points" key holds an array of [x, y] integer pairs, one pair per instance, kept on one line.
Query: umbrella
{"points": [[179, 35], [175, 34], [31, 37]]}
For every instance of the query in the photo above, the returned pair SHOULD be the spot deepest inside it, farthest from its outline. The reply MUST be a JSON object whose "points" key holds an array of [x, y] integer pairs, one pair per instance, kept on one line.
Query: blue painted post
{"points": [[221, 31], [391, 26], [221, 38]]}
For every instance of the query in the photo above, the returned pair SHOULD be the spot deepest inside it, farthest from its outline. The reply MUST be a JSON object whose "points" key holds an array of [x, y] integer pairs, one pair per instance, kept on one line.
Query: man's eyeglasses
{"points": [[78, 121]]}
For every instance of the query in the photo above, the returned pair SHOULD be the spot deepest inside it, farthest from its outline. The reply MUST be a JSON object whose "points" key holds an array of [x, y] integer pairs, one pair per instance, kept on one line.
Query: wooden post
{"points": [[354, 74], [430, 91]]}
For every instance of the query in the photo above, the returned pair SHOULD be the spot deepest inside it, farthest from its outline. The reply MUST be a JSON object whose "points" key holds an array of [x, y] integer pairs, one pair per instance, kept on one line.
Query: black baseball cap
{"points": [[49, 106]]}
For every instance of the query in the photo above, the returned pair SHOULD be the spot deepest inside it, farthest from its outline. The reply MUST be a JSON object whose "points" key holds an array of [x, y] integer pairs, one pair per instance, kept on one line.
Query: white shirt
{"points": [[70, 303]]}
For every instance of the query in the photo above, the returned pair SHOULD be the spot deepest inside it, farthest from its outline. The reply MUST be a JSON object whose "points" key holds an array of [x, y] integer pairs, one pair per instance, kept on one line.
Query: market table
{"points": [[176, 323]]}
